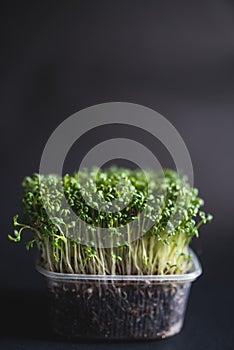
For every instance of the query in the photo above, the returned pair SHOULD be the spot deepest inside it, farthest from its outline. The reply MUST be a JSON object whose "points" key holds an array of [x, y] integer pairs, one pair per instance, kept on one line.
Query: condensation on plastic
{"points": [[119, 307]]}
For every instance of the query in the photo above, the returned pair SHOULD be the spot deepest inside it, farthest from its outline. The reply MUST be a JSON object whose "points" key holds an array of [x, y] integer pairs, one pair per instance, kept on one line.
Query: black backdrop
{"points": [[58, 57]]}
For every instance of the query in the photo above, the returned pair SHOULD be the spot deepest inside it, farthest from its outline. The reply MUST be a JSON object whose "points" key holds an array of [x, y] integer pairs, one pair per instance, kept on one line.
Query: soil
{"points": [[117, 309]]}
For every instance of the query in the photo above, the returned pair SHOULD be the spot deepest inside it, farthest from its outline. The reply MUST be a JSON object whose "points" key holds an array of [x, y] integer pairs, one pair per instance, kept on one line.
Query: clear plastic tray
{"points": [[119, 307]]}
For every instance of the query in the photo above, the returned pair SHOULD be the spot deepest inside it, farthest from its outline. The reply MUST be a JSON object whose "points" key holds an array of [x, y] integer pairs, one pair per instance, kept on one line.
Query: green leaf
{"points": [[30, 244], [15, 220]]}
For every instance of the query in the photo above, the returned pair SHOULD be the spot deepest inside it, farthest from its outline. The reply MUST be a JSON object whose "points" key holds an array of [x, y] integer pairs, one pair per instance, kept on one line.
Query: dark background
{"points": [[176, 57]]}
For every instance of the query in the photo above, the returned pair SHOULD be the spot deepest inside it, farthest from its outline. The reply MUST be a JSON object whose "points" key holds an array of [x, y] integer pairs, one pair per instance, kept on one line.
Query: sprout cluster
{"points": [[151, 218]]}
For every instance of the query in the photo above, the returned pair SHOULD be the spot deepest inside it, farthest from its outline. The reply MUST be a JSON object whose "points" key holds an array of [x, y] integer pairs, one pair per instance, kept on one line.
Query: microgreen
{"points": [[171, 217]]}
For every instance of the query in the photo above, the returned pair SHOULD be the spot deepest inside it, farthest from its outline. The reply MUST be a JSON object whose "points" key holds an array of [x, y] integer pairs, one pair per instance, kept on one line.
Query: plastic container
{"points": [[118, 307]]}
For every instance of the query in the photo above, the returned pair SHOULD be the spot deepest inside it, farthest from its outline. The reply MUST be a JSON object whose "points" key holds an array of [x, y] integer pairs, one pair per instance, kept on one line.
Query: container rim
{"points": [[194, 273]]}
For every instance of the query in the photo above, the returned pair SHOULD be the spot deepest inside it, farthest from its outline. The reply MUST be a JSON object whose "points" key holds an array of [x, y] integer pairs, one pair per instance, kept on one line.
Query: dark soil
{"points": [[117, 309]]}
